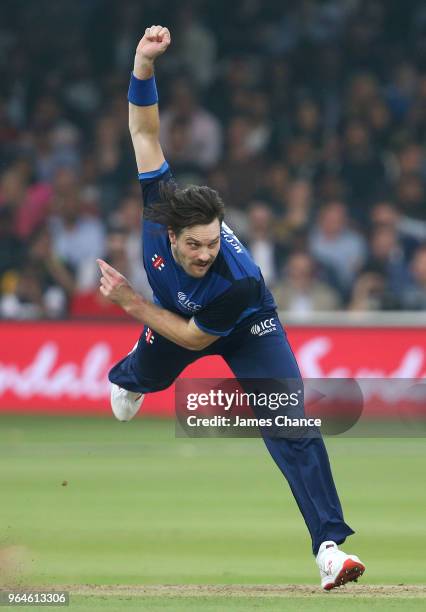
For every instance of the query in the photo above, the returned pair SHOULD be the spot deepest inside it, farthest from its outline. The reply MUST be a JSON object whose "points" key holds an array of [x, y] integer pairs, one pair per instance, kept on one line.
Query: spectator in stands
{"points": [[49, 269], [87, 302], [65, 183], [259, 115], [80, 91], [236, 217], [415, 120], [195, 45], [301, 157], [293, 224], [47, 114], [123, 249], [362, 169], [179, 154], [401, 90], [107, 145], [384, 213], [11, 247], [362, 92], [204, 143], [330, 187], [228, 95], [369, 292], [379, 121], [410, 231], [53, 141], [241, 164], [387, 257], [261, 242], [411, 196], [29, 202], [9, 133], [414, 294], [42, 285], [338, 247], [307, 121], [299, 289], [53, 149], [274, 187], [25, 299], [411, 160], [111, 168], [78, 237]]}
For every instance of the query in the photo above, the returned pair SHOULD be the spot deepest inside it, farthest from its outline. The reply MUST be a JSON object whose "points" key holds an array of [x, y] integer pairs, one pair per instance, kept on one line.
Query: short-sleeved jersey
{"points": [[232, 290]]}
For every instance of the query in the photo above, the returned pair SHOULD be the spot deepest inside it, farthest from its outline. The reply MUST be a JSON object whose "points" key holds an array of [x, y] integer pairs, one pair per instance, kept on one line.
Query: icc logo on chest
{"points": [[187, 303]]}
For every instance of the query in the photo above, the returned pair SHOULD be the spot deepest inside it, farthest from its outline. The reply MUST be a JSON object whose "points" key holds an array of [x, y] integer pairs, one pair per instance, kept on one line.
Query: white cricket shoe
{"points": [[125, 404], [336, 567]]}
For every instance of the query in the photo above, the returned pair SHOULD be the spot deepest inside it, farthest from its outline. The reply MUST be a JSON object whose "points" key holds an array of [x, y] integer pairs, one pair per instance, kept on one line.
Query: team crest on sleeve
{"points": [[149, 336], [158, 262]]}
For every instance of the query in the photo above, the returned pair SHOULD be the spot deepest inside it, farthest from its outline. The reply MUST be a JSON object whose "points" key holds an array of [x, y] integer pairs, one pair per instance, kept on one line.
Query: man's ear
{"points": [[172, 236]]}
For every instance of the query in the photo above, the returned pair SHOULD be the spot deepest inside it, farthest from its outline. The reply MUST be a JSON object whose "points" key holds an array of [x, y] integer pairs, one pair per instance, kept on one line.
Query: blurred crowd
{"points": [[308, 116]]}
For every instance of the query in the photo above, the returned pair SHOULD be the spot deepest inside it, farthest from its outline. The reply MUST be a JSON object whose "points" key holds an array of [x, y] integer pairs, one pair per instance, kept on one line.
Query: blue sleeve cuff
{"points": [[154, 173], [213, 332]]}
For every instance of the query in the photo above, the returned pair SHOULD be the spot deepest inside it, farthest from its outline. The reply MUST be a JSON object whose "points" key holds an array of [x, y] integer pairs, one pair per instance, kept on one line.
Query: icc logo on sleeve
{"points": [[264, 327]]}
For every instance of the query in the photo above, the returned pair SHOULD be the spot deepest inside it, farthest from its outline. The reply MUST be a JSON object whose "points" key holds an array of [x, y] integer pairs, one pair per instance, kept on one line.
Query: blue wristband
{"points": [[142, 92]]}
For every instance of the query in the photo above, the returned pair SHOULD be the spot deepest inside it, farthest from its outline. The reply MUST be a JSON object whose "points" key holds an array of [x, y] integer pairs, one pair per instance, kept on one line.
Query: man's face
{"points": [[196, 247]]}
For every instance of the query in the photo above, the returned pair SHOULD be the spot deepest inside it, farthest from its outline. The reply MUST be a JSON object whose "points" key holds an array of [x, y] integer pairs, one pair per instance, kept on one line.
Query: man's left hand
{"points": [[115, 287]]}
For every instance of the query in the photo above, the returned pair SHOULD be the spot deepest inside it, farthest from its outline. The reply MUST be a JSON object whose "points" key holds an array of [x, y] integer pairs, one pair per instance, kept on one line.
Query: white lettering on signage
{"points": [[49, 375], [45, 378]]}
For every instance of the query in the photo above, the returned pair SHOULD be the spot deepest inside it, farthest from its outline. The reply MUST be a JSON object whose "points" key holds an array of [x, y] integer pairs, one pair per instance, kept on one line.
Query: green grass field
{"points": [[142, 508]]}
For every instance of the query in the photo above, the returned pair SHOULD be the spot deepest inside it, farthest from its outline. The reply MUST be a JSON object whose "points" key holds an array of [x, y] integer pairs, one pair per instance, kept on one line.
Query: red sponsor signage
{"points": [[62, 367]]}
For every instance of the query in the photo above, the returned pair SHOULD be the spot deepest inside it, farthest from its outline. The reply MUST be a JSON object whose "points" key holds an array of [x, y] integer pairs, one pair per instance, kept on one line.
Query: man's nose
{"points": [[204, 255]]}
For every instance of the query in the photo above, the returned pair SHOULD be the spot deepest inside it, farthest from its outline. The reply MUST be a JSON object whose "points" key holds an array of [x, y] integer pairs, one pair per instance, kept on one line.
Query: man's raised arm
{"points": [[144, 120]]}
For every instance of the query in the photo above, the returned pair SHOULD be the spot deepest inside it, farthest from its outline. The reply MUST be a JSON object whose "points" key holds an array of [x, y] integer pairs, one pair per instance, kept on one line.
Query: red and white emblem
{"points": [[149, 336], [158, 262]]}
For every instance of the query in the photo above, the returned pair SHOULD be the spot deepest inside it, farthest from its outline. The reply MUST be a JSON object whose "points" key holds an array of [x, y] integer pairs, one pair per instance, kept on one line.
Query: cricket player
{"points": [[210, 299]]}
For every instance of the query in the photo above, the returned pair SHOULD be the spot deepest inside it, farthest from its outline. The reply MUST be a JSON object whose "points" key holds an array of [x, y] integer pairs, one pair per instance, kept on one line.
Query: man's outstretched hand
{"points": [[115, 287]]}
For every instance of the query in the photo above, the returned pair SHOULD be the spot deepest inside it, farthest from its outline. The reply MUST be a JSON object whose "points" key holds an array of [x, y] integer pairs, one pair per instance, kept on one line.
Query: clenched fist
{"points": [[154, 42]]}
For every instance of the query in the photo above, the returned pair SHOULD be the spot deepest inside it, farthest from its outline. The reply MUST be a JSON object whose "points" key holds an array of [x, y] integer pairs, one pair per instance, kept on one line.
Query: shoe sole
{"points": [[350, 572]]}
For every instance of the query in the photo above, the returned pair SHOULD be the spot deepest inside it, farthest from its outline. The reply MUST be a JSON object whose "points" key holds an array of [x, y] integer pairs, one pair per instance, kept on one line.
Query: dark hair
{"points": [[181, 208]]}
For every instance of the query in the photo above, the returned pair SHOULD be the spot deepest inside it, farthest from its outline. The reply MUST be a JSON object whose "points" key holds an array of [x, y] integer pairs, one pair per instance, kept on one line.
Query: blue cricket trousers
{"points": [[157, 362]]}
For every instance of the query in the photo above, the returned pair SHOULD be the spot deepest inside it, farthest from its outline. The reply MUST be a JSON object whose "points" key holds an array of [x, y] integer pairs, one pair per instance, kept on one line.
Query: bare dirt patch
{"points": [[13, 561], [241, 590]]}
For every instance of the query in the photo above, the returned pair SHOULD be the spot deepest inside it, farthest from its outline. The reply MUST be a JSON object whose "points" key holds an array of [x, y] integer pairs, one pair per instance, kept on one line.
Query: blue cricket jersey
{"points": [[231, 291]]}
